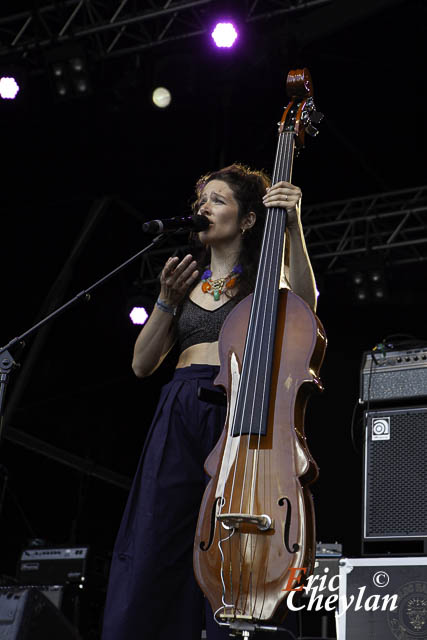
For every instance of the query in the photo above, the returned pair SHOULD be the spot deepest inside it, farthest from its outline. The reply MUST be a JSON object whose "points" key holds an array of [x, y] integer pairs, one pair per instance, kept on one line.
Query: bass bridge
{"points": [[247, 520]]}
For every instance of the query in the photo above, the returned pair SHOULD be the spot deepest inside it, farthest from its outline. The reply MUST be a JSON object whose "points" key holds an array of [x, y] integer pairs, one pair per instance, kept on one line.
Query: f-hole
{"points": [[203, 545], [295, 546]]}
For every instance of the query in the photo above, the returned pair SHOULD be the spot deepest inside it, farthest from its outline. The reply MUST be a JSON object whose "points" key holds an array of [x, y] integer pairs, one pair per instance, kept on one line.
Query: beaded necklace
{"points": [[216, 287]]}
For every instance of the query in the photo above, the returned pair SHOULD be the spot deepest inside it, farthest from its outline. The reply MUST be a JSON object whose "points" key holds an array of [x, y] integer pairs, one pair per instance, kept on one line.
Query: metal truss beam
{"points": [[390, 227], [113, 28]]}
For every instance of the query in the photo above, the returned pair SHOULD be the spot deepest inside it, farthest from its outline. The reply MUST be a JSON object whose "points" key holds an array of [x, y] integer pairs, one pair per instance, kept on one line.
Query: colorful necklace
{"points": [[216, 287]]}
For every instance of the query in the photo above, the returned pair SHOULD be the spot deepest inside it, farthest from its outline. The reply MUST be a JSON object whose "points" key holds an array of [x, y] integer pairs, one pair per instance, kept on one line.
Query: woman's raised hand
{"points": [[176, 277], [285, 196]]}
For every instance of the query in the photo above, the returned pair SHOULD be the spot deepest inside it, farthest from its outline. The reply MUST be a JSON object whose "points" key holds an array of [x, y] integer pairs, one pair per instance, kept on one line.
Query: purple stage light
{"points": [[138, 315], [8, 88], [224, 34]]}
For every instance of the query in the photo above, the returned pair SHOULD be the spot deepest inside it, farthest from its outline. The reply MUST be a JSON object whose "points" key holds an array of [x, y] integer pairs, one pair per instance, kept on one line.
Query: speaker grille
{"points": [[394, 385], [395, 495]]}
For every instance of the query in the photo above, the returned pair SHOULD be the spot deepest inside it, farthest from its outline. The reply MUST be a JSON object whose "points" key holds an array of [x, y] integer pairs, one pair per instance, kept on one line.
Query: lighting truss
{"points": [[262, 9], [113, 28], [392, 226]]}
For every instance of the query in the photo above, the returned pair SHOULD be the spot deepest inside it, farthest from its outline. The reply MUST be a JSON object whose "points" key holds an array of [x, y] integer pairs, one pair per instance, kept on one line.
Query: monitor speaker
{"points": [[27, 614], [395, 474]]}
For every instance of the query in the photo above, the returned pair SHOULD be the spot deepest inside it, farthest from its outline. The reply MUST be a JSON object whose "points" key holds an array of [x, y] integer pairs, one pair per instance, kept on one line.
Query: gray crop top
{"points": [[196, 325]]}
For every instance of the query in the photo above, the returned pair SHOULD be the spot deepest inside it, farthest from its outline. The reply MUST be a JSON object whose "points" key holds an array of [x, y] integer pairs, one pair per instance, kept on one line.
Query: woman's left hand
{"points": [[285, 196]]}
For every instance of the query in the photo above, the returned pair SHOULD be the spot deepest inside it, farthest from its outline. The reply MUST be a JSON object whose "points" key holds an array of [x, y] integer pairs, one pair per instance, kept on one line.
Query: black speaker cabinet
{"points": [[395, 474], [27, 614]]}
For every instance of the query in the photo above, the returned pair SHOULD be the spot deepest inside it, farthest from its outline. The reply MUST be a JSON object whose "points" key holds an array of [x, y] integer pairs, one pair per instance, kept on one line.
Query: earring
{"points": [[242, 231]]}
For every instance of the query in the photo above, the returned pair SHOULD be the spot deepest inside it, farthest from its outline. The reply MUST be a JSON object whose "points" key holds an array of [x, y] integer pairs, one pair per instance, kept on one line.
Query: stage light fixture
{"points": [[62, 89], [138, 315], [58, 70], [369, 283], [361, 295], [161, 97], [140, 303], [80, 85], [358, 278], [9, 88], [70, 76], [224, 35], [77, 64], [379, 294], [375, 276]]}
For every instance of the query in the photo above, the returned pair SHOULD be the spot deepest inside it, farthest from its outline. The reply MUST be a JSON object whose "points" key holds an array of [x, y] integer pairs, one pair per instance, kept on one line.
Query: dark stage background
{"points": [[367, 61]]}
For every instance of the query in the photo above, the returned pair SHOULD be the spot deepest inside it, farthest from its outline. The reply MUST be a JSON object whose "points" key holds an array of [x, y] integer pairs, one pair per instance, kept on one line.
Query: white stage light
{"points": [[138, 315], [161, 97], [8, 88]]}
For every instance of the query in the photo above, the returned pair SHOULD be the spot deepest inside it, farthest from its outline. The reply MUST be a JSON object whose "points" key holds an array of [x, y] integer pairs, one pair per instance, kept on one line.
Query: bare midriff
{"points": [[204, 353]]}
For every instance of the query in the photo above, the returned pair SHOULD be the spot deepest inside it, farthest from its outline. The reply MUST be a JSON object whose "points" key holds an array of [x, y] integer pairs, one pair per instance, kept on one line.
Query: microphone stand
{"points": [[7, 363]]}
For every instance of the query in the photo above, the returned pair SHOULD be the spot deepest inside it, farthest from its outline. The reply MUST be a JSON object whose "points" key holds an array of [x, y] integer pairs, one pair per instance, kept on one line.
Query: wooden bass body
{"points": [[256, 521]]}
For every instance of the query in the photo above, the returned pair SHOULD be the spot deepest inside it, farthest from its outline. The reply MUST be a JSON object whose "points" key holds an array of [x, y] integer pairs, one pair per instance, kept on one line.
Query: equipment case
{"points": [[374, 614]]}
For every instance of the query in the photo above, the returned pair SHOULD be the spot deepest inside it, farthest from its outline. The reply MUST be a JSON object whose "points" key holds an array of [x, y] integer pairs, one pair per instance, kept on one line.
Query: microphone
{"points": [[192, 223]]}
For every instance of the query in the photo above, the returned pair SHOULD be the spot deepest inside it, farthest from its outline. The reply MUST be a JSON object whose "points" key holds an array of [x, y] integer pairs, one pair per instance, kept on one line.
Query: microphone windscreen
{"points": [[154, 226], [200, 222]]}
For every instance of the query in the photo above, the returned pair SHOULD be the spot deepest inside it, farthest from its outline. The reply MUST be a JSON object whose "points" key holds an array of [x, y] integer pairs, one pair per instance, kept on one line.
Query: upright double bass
{"points": [[256, 521]]}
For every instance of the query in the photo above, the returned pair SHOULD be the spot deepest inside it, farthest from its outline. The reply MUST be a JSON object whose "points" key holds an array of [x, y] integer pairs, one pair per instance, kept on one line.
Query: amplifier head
{"points": [[393, 374], [52, 565]]}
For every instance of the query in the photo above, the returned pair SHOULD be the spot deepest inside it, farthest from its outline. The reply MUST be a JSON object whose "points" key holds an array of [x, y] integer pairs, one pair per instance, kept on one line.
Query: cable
{"points": [[352, 424]]}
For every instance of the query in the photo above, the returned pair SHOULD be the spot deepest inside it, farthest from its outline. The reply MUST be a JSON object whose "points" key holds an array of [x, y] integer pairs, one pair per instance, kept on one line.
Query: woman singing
{"points": [[152, 591]]}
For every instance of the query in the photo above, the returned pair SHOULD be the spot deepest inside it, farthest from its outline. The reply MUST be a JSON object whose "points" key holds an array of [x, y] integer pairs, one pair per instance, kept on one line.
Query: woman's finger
{"points": [[169, 266], [294, 191], [282, 185], [282, 196], [191, 279], [184, 275], [173, 270]]}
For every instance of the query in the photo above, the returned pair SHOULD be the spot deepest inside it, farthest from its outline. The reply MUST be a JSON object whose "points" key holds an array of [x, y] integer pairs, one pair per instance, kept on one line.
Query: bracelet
{"points": [[164, 306]]}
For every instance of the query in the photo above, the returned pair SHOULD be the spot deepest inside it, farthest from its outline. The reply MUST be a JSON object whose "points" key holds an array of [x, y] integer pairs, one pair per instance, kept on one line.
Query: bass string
{"points": [[257, 582], [272, 264], [242, 548], [278, 225], [253, 580], [254, 373], [276, 228], [260, 582], [280, 216], [258, 316], [242, 552], [249, 352], [224, 588], [242, 392], [257, 299], [275, 220]]}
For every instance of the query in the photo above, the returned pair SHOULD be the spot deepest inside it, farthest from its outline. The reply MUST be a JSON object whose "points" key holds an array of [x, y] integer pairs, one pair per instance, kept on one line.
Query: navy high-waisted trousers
{"points": [[152, 592]]}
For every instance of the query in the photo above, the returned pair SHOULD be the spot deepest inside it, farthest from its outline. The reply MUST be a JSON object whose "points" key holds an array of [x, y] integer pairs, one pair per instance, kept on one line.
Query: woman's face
{"points": [[218, 204]]}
